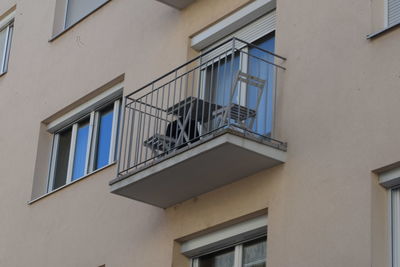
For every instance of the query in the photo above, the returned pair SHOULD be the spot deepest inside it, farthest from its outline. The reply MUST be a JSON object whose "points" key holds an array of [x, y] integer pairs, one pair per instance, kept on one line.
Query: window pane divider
{"points": [[194, 262], [72, 152], [238, 255], [94, 137], [89, 143]]}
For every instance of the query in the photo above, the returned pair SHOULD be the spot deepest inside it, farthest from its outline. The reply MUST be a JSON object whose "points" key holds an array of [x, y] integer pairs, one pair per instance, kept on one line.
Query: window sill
{"points": [[56, 36], [382, 32], [76, 181]]}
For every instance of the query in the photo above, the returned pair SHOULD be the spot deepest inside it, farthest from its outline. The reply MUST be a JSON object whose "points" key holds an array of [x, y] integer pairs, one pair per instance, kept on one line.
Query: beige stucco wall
{"points": [[338, 106]]}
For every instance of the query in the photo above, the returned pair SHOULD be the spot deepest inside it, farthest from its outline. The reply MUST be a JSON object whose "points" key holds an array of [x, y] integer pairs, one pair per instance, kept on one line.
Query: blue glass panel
{"points": [[219, 79], [104, 138], [256, 67], [80, 150]]}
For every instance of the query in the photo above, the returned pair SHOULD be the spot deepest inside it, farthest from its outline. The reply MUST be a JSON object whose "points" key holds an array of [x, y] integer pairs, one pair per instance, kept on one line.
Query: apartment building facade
{"points": [[199, 133]]}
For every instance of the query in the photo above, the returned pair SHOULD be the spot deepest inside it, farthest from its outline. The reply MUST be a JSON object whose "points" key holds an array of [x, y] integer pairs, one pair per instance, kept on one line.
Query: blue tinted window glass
{"points": [[104, 137], [219, 79], [263, 122], [80, 150]]}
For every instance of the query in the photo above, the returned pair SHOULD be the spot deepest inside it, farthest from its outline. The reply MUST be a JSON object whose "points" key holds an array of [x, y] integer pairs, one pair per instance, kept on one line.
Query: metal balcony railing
{"points": [[230, 87]]}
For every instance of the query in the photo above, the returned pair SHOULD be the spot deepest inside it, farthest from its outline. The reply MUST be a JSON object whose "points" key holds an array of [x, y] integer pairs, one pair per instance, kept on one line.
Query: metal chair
{"points": [[238, 113]]}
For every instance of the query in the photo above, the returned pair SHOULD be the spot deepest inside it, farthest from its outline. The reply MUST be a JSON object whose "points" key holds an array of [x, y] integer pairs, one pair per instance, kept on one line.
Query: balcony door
{"points": [[219, 73]]}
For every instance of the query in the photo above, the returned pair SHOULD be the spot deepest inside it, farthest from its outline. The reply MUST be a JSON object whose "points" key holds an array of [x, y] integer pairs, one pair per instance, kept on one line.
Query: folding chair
{"points": [[238, 113]]}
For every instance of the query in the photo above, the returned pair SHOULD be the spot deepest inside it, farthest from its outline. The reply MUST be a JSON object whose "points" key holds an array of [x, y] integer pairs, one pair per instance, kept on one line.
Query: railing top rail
{"points": [[233, 39]]}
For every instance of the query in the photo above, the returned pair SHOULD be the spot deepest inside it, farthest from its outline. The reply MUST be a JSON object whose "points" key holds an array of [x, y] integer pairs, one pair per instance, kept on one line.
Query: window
{"points": [[389, 178], [395, 222], [69, 12], [84, 145], [77, 9], [393, 12], [6, 32], [242, 244], [252, 253]]}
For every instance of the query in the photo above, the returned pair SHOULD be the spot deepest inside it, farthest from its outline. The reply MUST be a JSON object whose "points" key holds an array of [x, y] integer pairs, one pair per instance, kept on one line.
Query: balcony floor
{"points": [[218, 161]]}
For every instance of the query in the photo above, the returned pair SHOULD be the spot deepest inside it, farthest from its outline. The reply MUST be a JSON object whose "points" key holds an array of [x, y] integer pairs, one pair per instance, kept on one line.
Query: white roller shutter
{"points": [[250, 33], [77, 9], [393, 12]]}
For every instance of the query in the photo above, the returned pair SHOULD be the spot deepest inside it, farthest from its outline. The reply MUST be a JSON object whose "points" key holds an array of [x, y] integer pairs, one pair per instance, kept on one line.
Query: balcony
{"points": [[203, 125]]}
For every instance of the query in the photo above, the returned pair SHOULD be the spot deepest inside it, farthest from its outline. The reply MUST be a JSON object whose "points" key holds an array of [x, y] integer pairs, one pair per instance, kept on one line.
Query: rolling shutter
{"points": [[250, 33], [393, 12]]}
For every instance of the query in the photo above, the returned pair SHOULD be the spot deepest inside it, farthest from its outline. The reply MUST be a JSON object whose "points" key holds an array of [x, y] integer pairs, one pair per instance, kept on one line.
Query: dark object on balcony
{"points": [[176, 132]]}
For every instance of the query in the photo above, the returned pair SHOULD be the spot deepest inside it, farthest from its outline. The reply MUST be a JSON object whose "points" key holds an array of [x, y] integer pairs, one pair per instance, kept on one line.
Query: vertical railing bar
{"points": [[214, 122], [212, 87], [205, 90], [159, 128], [150, 117], [257, 124], [125, 136], [133, 133], [120, 137], [126, 139], [274, 95], [191, 111], [141, 145], [240, 87], [179, 108], [139, 129], [156, 119], [191, 105], [130, 125], [225, 105], [166, 123], [184, 109], [173, 106], [197, 101], [231, 78]]}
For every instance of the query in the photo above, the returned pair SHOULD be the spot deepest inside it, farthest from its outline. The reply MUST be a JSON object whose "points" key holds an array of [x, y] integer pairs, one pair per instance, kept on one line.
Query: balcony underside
{"points": [[179, 4], [218, 161]]}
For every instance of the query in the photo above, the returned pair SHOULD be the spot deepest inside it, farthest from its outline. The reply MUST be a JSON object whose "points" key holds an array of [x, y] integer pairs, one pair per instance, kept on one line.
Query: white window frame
{"points": [[238, 253], [7, 24], [91, 144], [66, 14], [391, 226], [231, 236], [389, 178]]}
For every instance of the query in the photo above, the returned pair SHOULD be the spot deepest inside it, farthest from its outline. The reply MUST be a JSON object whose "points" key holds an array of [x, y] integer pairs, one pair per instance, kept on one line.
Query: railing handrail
{"points": [[199, 57]]}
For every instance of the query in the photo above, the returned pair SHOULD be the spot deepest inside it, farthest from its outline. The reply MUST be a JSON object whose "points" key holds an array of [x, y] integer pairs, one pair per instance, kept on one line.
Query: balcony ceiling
{"points": [[179, 4], [200, 169]]}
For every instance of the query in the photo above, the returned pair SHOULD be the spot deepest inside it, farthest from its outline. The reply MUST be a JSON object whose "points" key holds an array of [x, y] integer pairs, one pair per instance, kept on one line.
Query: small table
{"points": [[192, 108]]}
